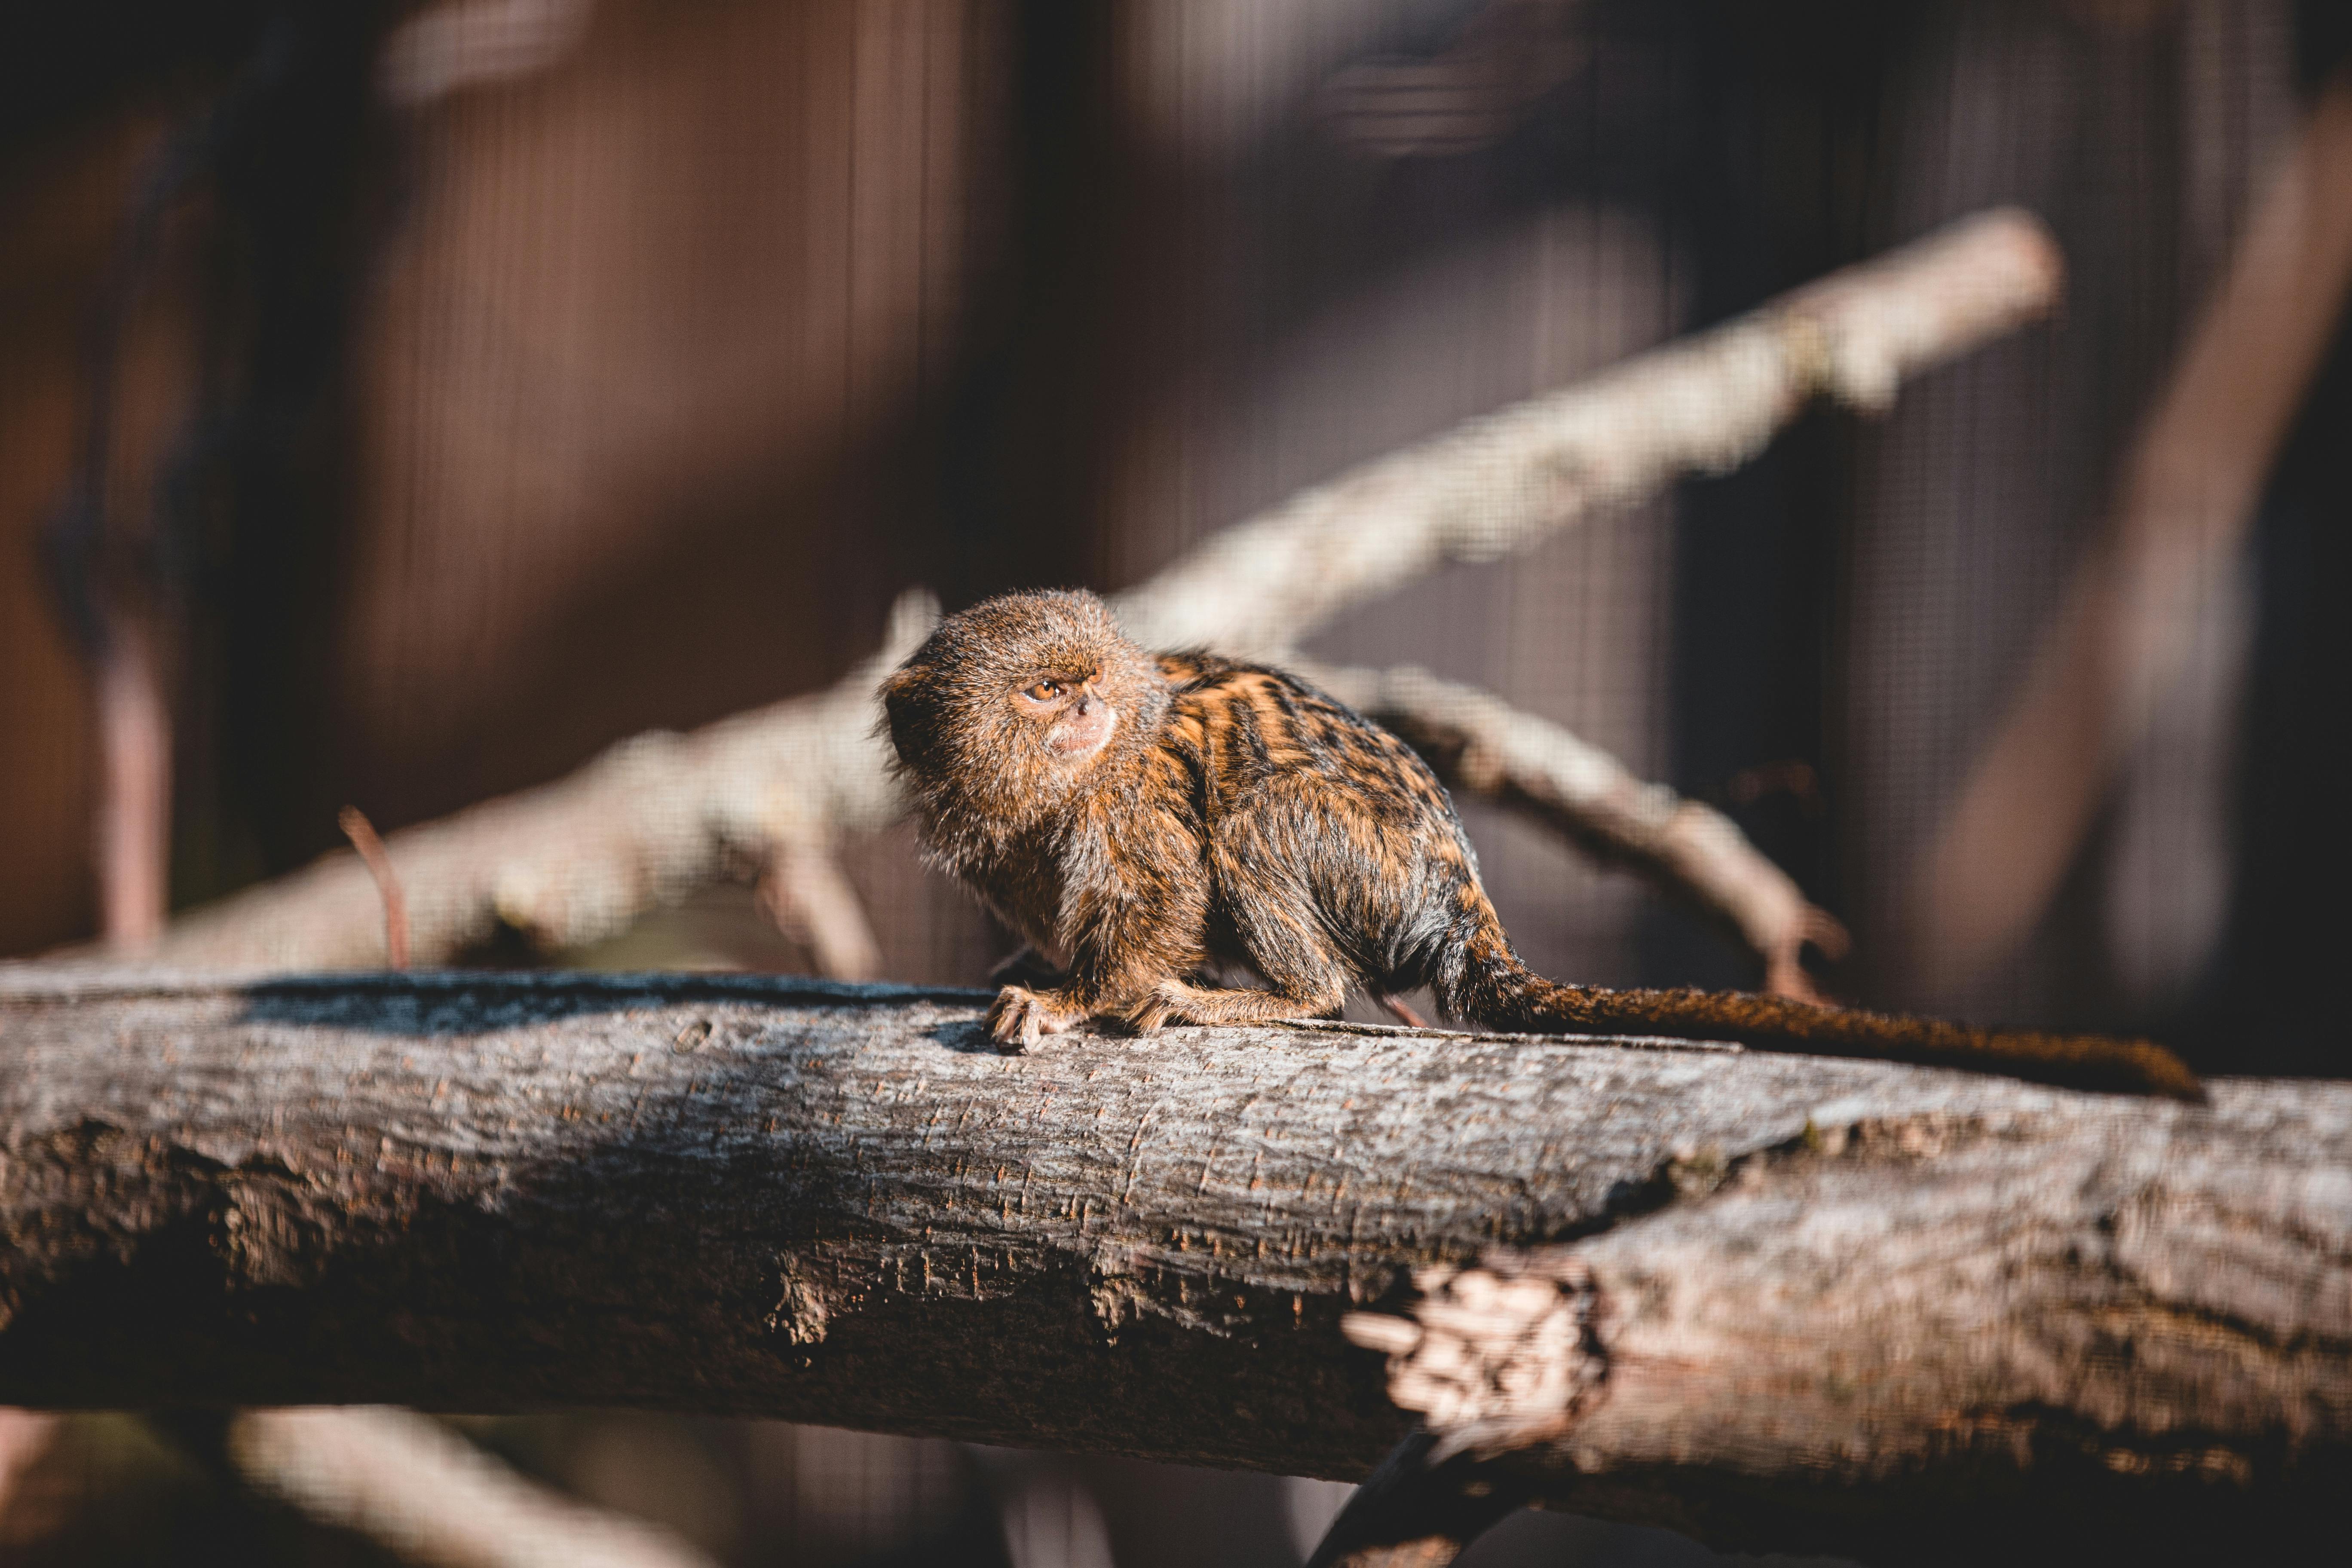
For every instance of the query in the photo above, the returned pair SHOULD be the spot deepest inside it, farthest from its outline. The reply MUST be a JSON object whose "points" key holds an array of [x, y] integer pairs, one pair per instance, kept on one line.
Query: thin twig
{"points": [[134, 805], [363, 834]]}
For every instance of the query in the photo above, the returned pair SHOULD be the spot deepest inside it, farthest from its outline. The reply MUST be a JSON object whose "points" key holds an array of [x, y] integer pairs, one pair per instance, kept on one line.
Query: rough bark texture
{"points": [[1833, 1305]]}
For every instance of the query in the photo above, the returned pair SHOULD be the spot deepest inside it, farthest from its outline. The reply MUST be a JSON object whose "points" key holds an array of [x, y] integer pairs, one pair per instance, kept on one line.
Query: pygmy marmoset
{"points": [[1147, 821]]}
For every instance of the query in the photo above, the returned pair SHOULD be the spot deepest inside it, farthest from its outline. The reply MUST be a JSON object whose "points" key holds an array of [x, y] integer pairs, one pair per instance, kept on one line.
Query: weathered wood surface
{"points": [[1819, 1304]]}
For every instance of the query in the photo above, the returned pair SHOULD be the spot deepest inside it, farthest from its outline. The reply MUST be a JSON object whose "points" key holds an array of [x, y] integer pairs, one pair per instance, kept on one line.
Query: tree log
{"points": [[1780, 1302]]}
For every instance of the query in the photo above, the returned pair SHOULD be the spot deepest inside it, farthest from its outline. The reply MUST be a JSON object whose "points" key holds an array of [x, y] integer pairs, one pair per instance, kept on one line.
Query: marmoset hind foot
{"points": [[1174, 1002], [1152, 818]]}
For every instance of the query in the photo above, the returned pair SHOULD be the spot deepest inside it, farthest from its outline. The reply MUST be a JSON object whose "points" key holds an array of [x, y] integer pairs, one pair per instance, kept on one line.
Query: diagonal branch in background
{"points": [[577, 860], [2128, 627], [1810, 1304], [770, 792], [431, 1498], [1702, 406]]}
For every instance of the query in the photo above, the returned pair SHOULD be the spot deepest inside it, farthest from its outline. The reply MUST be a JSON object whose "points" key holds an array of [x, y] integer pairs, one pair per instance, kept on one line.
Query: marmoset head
{"points": [[1011, 705]]}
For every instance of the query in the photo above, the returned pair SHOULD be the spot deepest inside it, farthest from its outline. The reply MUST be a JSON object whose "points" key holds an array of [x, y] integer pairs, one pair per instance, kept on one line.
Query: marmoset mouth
{"points": [[1084, 732]]}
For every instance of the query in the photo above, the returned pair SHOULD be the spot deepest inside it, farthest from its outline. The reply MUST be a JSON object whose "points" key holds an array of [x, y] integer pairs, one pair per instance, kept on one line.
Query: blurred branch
{"points": [[134, 803], [809, 896], [576, 861], [23, 1434], [433, 1498], [1703, 406], [2128, 627], [1481, 747], [459, 44], [1811, 1304], [1418, 1510]]}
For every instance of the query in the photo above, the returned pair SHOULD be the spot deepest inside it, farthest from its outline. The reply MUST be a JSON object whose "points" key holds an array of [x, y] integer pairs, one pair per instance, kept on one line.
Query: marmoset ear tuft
{"points": [[902, 716]]}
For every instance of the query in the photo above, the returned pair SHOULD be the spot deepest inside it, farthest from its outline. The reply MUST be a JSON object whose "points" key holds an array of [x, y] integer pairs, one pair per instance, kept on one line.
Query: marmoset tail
{"points": [[1149, 822]]}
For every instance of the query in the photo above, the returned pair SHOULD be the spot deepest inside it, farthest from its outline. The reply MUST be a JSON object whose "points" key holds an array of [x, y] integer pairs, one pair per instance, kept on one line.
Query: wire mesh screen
{"points": [[2147, 146]]}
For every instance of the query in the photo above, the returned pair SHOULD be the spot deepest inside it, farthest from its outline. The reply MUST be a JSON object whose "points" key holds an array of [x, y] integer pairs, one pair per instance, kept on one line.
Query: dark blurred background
{"points": [[439, 393]]}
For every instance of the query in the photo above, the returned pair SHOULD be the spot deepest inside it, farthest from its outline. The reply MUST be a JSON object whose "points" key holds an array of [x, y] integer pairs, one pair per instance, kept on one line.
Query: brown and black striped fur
{"points": [[1148, 822]]}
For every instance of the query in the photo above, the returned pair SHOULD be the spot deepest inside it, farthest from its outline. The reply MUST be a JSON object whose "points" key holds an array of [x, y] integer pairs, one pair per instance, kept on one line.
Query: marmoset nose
{"points": [[1087, 703]]}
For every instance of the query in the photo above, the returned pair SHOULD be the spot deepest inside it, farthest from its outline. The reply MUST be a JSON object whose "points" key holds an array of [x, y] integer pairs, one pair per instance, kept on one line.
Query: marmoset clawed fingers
{"points": [[1020, 1017]]}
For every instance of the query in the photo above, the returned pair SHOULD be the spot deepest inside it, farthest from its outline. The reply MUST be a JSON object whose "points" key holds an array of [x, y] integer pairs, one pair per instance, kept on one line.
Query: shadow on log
{"points": [[1780, 1303]]}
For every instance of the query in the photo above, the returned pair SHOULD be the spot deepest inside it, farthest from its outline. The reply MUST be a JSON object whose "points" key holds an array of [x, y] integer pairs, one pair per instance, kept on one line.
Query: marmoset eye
{"points": [[1043, 691]]}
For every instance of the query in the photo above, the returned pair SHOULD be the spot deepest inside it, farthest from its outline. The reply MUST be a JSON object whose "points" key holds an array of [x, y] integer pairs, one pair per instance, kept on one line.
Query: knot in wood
{"points": [[1494, 1358]]}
